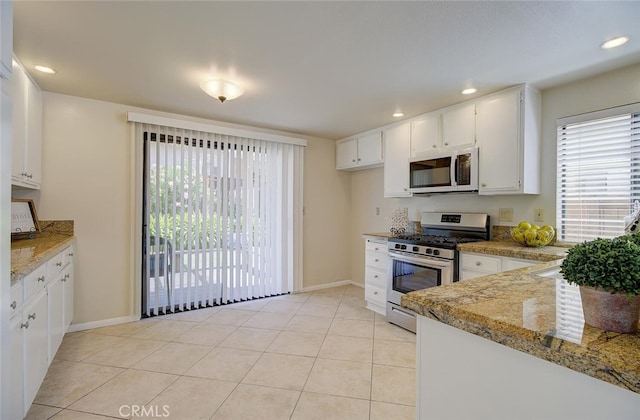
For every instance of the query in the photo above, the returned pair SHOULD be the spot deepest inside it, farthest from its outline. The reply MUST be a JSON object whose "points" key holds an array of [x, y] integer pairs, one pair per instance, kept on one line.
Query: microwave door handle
{"points": [[454, 172]]}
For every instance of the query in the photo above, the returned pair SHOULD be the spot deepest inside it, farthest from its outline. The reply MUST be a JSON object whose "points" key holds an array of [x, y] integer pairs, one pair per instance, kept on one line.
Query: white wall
{"points": [[87, 177], [607, 90]]}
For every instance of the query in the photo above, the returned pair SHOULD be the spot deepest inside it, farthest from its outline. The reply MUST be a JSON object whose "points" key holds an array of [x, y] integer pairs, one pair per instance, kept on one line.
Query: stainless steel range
{"points": [[418, 262]]}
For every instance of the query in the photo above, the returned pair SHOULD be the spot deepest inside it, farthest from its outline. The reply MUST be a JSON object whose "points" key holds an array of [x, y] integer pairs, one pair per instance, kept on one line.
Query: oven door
{"points": [[408, 273]]}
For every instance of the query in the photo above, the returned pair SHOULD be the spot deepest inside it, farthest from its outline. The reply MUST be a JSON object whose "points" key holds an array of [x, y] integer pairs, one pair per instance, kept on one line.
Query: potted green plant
{"points": [[608, 273]]}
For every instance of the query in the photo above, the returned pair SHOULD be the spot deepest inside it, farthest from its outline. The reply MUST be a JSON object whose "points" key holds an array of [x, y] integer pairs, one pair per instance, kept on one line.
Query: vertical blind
{"points": [[598, 173], [221, 216]]}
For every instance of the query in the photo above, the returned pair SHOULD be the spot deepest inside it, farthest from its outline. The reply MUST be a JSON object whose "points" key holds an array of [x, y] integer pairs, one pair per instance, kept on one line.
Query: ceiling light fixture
{"points": [[398, 114], [222, 90], [44, 69], [469, 91], [614, 42]]}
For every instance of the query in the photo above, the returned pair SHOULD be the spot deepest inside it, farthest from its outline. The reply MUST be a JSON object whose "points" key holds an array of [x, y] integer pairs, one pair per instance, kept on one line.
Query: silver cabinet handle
{"points": [[483, 184], [14, 305], [66, 277], [375, 277], [446, 144], [376, 260], [31, 316], [70, 254], [376, 249], [478, 263], [375, 293], [59, 263], [434, 146], [25, 325], [41, 278]]}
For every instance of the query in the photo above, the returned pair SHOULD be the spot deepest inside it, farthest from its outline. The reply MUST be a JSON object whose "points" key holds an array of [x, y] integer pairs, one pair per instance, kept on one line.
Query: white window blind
{"points": [[598, 173], [222, 218]]}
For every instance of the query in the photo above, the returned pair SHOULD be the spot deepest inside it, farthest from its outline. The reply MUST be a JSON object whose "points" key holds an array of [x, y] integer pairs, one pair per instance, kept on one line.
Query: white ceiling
{"points": [[328, 69]]}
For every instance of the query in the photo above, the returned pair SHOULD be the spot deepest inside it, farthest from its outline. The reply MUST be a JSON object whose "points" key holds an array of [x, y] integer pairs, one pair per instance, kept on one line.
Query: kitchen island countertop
{"points": [[521, 309], [29, 254]]}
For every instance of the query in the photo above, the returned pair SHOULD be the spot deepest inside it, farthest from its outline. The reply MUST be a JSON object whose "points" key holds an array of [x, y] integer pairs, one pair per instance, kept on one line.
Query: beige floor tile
{"points": [[386, 331], [352, 328], [250, 339], [320, 299], [318, 309], [297, 343], [132, 387], [165, 330], [394, 353], [329, 407], [78, 415], [293, 297], [122, 330], [334, 292], [354, 291], [174, 358], [258, 403], [269, 320], [282, 307], [78, 347], [354, 301], [127, 353], [40, 412], [387, 411], [194, 315], [394, 385], [230, 317], [192, 398], [280, 371], [206, 334], [249, 305], [347, 348], [355, 312], [309, 324], [341, 378], [225, 364], [67, 382]]}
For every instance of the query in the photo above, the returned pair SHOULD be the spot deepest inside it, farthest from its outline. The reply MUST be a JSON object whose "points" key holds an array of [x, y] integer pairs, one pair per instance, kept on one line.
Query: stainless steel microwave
{"points": [[453, 171]]}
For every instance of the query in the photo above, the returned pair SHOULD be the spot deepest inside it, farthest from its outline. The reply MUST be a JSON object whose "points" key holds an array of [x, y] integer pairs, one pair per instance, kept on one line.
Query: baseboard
{"points": [[102, 323], [326, 286], [353, 283]]}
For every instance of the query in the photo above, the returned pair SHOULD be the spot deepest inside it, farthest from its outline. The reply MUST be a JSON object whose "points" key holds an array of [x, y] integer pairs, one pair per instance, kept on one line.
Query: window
{"points": [[598, 173]]}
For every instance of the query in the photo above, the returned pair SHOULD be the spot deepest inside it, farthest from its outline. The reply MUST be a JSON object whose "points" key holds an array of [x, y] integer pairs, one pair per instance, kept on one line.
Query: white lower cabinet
{"points": [[375, 275], [41, 310], [474, 265]]}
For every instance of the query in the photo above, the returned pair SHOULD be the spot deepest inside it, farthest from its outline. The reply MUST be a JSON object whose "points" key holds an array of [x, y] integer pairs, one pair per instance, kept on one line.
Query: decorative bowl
{"points": [[533, 236]]}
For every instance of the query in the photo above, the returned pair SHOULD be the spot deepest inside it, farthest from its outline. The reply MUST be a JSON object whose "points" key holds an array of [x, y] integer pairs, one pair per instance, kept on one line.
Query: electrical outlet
{"points": [[377, 211], [538, 215], [505, 215]]}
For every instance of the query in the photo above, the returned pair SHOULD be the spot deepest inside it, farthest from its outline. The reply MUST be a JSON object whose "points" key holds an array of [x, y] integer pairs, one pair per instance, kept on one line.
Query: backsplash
{"points": [[63, 227]]}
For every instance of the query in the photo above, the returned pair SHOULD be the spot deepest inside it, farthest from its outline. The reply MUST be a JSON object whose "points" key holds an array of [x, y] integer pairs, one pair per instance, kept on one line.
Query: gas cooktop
{"points": [[447, 242]]}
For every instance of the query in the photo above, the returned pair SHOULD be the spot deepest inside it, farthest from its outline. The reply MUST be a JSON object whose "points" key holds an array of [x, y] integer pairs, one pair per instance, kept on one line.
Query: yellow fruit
{"points": [[547, 227], [531, 234], [534, 226], [524, 225]]}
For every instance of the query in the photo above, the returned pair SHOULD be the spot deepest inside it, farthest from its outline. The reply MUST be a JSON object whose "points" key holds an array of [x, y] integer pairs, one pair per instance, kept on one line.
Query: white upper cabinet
{"points": [[458, 126], [397, 145], [508, 134], [360, 152], [425, 134], [26, 163], [6, 38]]}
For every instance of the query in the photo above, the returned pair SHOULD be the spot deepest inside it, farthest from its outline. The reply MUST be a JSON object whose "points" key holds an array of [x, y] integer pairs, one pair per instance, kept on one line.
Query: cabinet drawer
{"points": [[375, 277], [57, 263], [513, 263], [376, 295], [34, 281], [376, 246], [15, 300], [376, 260], [482, 263]]}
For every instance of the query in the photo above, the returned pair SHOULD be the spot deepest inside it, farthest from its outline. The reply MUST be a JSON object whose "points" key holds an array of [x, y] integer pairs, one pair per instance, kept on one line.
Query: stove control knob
{"points": [[416, 249], [397, 246], [436, 252], [428, 251], [403, 247]]}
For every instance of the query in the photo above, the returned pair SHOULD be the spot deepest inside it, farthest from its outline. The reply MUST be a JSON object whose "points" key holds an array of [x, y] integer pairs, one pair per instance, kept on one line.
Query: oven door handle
{"points": [[394, 255]]}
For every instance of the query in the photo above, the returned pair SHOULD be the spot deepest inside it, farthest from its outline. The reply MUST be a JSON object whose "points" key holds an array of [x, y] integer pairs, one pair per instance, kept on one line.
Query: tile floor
{"points": [[317, 355]]}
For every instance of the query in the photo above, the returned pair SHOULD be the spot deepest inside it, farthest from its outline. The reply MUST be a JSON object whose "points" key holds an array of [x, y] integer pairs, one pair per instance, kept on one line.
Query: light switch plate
{"points": [[538, 215], [505, 215]]}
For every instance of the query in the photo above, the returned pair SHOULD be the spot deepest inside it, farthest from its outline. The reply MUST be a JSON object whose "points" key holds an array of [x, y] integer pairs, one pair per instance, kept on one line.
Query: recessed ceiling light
{"points": [[398, 114], [44, 69], [614, 42], [469, 91]]}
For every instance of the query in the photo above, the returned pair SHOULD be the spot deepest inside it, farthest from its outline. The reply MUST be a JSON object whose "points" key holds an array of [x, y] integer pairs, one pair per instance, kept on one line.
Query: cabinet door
{"points": [[13, 401], [67, 301], [499, 140], [6, 38], [33, 147], [396, 161], [458, 127], [370, 148], [36, 357], [346, 153], [425, 135], [55, 296], [19, 122]]}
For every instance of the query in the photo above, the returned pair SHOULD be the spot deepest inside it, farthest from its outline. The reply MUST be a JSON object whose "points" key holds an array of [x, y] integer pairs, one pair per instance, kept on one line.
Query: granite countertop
{"points": [[384, 235], [519, 309], [29, 254], [515, 250]]}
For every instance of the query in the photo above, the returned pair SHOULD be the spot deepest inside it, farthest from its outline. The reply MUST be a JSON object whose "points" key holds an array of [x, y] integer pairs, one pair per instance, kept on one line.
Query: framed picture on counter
{"points": [[24, 220]]}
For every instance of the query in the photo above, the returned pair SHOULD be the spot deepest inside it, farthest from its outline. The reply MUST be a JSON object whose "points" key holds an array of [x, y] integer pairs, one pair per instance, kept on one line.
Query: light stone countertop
{"points": [[518, 309], [515, 250], [29, 254]]}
